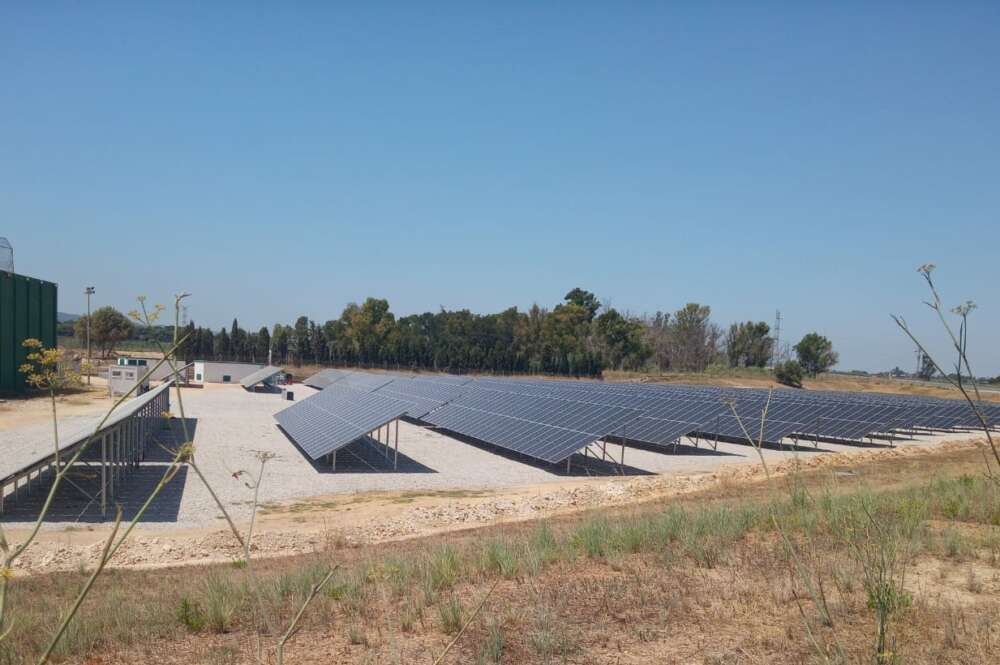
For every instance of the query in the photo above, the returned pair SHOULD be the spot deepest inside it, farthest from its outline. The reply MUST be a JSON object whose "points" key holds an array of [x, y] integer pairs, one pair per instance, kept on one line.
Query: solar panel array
{"points": [[551, 419], [333, 418]]}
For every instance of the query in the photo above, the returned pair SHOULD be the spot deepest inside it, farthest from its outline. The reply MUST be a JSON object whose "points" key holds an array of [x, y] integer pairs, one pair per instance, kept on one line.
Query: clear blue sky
{"points": [[279, 159]]}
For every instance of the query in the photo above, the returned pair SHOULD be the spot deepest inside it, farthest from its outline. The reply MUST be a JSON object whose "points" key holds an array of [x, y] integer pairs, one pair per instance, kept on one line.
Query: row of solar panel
{"points": [[836, 415], [550, 420]]}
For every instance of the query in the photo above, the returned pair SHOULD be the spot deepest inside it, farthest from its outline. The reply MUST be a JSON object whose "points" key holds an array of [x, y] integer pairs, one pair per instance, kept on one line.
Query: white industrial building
{"points": [[159, 373], [210, 371]]}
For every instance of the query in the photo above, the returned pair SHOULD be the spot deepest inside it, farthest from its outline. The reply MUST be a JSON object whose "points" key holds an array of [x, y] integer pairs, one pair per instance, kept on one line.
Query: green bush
{"points": [[789, 373], [192, 616]]}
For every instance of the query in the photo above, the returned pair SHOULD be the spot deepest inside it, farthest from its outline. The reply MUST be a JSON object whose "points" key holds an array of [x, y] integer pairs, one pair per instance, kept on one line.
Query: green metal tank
{"points": [[27, 309]]}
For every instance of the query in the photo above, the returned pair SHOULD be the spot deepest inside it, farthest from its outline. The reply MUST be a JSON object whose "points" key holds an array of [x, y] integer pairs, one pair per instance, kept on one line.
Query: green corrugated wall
{"points": [[27, 309]]}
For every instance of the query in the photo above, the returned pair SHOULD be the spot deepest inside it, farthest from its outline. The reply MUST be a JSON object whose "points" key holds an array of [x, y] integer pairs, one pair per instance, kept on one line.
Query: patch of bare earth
{"points": [[35, 409]]}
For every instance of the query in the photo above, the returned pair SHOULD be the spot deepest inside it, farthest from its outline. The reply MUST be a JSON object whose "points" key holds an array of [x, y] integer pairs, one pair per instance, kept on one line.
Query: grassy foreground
{"points": [[787, 571]]}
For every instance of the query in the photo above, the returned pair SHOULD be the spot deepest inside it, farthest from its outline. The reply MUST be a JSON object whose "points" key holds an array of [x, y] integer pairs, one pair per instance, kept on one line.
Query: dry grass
{"points": [[703, 579], [754, 378]]}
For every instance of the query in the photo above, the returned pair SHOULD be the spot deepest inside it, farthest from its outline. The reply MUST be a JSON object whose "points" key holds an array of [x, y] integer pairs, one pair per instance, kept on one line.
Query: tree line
{"points": [[578, 337]]}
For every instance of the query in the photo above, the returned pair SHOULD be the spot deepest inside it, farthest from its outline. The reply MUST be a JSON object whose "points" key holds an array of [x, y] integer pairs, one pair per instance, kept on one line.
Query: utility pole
{"points": [[776, 351], [89, 291]]}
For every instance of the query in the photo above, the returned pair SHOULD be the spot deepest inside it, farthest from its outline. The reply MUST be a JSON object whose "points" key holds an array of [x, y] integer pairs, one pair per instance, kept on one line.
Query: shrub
{"points": [[357, 636], [491, 650], [221, 602], [549, 637], [498, 556], [192, 616], [789, 373], [451, 616]]}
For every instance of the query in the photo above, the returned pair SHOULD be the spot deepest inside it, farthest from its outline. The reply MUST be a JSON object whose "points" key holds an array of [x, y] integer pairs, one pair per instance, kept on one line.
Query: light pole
{"points": [[89, 291]]}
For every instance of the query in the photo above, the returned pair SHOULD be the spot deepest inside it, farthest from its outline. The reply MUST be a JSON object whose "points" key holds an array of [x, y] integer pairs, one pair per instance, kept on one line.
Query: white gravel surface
{"points": [[233, 426]]}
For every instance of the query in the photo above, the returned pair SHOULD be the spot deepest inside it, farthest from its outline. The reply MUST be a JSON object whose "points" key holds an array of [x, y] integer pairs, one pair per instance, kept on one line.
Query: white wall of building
{"points": [[210, 371]]}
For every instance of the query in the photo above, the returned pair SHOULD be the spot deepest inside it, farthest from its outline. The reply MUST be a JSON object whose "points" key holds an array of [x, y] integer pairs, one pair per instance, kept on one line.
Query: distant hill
{"points": [[63, 317]]}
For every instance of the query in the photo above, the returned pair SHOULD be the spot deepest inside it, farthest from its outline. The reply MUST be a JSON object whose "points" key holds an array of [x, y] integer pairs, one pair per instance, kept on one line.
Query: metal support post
{"points": [[104, 475]]}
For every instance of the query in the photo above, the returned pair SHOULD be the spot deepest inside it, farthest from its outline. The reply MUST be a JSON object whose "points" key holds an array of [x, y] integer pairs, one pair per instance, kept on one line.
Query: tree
{"points": [[749, 344], [622, 340], [279, 343], [237, 342], [694, 339], [815, 353], [222, 348], [108, 326], [298, 343], [658, 339], [367, 328], [317, 343], [585, 299], [188, 348], [206, 344], [564, 334], [262, 344], [789, 373]]}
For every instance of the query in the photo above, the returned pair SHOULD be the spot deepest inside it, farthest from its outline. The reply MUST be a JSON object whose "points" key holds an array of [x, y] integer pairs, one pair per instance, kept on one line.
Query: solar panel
{"points": [[843, 428], [544, 442], [657, 430], [450, 379], [730, 427], [580, 416], [364, 382], [424, 393], [543, 428], [260, 376], [335, 417], [323, 378]]}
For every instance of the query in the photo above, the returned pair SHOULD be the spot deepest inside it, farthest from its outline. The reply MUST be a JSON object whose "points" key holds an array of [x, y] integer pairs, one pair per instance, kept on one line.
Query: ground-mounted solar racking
{"points": [[263, 375], [337, 416]]}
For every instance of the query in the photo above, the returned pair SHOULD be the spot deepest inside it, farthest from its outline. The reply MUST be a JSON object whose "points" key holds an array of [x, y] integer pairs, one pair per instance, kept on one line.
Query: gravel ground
{"points": [[233, 426], [26, 444]]}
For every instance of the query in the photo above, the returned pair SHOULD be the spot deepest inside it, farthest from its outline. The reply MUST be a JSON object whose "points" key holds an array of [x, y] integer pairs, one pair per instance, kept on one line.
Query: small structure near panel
{"points": [[124, 378]]}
